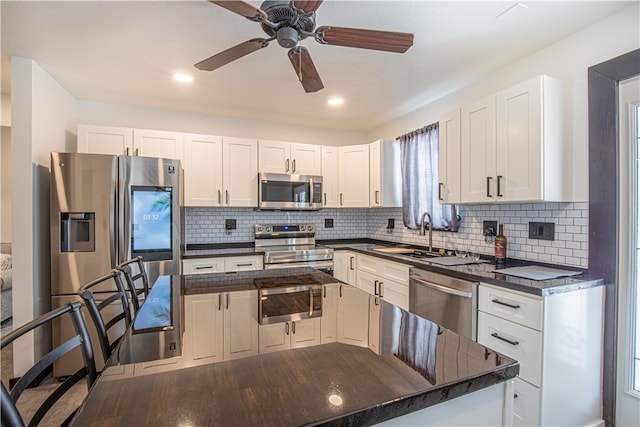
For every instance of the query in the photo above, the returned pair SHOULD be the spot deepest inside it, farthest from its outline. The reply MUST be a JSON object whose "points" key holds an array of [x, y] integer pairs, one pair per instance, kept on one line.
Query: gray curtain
{"points": [[420, 181]]}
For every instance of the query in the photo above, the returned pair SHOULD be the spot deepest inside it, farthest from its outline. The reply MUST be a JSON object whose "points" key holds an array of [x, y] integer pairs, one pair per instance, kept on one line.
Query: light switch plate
{"points": [[542, 230]]}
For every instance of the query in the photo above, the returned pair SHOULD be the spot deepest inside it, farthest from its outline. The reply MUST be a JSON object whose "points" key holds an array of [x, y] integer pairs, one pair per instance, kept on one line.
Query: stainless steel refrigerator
{"points": [[106, 210]]}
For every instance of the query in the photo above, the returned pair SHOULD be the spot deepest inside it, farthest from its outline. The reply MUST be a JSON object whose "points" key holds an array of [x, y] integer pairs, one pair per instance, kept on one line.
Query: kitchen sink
{"points": [[422, 254]]}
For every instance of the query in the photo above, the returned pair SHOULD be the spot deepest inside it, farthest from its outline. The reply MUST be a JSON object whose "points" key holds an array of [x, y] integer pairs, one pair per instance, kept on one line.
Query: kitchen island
{"points": [[415, 368]]}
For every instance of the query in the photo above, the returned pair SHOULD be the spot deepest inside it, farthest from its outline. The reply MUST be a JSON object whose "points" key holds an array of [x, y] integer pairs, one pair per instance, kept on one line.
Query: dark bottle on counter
{"points": [[501, 246]]}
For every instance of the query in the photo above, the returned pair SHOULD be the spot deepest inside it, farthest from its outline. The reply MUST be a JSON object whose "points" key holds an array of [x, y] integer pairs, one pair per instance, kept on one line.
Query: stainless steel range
{"points": [[292, 246]]}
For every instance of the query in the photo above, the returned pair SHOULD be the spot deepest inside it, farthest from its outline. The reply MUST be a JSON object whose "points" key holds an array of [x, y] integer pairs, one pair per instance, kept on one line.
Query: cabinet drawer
{"points": [[526, 404], [511, 306], [513, 340], [385, 270], [240, 263], [202, 265]]}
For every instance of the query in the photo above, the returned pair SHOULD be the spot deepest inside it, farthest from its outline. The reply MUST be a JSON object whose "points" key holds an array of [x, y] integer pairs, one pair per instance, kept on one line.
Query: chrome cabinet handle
{"points": [[126, 151], [440, 191], [219, 197], [219, 302], [495, 335], [514, 306], [340, 199], [340, 290], [380, 289], [226, 196], [293, 166], [286, 328], [293, 327], [375, 287], [376, 197], [228, 302], [136, 152], [498, 182], [325, 199], [324, 290], [489, 187], [286, 165], [351, 259]]}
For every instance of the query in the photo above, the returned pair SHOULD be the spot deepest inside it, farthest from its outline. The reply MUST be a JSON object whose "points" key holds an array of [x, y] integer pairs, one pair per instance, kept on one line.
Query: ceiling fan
{"points": [[289, 22]]}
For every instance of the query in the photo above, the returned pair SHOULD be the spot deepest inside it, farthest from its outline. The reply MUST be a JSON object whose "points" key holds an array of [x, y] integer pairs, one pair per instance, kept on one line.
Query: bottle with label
{"points": [[501, 246]]}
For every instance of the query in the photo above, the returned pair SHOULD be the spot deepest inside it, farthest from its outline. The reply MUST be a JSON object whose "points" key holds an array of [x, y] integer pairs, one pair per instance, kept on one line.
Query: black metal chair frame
{"points": [[10, 415], [132, 279], [94, 308]]}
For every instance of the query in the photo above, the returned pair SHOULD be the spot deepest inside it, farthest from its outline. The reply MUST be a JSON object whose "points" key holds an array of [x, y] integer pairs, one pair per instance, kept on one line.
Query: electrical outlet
{"points": [[229, 224], [328, 223], [489, 228], [391, 223], [542, 230]]}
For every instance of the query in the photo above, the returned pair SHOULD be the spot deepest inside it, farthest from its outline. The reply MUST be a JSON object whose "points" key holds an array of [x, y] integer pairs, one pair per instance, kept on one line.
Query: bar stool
{"points": [[10, 414], [138, 278], [101, 300]]}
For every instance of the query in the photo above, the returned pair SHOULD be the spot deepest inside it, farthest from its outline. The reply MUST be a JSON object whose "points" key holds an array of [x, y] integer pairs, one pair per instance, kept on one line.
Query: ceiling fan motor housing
{"points": [[289, 22]]}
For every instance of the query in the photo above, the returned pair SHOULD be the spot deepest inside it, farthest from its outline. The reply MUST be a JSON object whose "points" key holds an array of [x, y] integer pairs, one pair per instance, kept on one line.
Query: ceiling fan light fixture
{"points": [[182, 78], [287, 37]]}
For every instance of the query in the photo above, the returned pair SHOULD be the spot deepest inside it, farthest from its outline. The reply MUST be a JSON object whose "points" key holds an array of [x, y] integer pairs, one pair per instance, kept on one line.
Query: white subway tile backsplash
{"points": [[570, 247]]}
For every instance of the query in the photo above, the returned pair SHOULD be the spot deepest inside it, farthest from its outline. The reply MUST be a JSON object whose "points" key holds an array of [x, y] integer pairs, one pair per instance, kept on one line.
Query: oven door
{"points": [[289, 303]]}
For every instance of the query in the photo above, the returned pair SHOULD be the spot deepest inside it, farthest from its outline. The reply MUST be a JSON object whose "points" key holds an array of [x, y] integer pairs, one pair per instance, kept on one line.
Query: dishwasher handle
{"points": [[442, 288]]}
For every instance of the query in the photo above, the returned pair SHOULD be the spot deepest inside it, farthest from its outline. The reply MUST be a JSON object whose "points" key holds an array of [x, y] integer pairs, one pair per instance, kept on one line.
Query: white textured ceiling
{"points": [[126, 52]]}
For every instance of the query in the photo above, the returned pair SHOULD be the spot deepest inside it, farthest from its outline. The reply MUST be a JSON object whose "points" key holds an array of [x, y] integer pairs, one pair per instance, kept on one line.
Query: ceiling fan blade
{"points": [[305, 70], [231, 54], [308, 5], [240, 7], [365, 39]]}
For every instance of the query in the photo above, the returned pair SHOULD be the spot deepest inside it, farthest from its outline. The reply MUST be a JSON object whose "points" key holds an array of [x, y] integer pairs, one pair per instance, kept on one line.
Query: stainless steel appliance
{"points": [[105, 210], [292, 245], [294, 298], [289, 191], [447, 301]]}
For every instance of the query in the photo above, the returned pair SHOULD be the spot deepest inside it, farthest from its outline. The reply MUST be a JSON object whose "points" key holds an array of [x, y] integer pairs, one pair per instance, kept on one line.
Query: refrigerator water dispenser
{"points": [[77, 232]]}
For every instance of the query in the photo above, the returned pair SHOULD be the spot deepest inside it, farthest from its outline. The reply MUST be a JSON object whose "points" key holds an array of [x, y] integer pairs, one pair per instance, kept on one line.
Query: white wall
{"points": [[5, 110], [566, 60], [43, 119], [97, 113]]}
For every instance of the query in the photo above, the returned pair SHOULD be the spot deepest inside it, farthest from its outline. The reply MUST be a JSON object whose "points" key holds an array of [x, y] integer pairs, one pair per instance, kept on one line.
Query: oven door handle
{"points": [[310, 301], [444, 289]]}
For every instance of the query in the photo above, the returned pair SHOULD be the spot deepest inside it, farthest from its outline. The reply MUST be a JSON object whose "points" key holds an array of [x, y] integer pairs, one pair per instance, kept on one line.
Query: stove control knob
{"points": [[269, 229], [310, 228], [303, 228], [260, 229]]}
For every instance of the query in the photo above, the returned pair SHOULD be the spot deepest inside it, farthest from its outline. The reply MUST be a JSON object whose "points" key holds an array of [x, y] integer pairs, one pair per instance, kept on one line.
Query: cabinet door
{"points": [[353, 176], [306, 159], [367, 282], [105, 140], [478, 172], [352, 268], [526, 404], [240, 172], [519, 142], [394, 293], [449, 141], [375, 173], [329, 319], [240, 324], [275, 337], [374, 324], [274, 157], [156, 143], [202, 265], [202, 170], [203, 320], [305, 333], [340, 265], [330, 198], [353, 316]]}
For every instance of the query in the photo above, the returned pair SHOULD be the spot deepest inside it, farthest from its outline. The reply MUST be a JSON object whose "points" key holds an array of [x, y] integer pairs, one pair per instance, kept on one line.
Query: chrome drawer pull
{"points": [[204, 267], [495, 335], [497, 301], [248, 264]]}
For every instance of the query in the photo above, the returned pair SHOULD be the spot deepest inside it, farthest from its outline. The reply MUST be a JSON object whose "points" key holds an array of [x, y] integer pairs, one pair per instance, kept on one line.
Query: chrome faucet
{"points": [[422, 231]]}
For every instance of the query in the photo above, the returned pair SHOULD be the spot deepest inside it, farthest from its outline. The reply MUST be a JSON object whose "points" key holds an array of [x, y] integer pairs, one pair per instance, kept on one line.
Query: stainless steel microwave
{"points": [[283, 191]]}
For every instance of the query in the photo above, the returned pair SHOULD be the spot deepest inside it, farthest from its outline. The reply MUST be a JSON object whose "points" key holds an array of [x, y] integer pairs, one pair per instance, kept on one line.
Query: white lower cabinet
{"points": [[231, 318], [353, 316], [329, 319], [344, 266], [288, 335], [222, 264], [374, 324], [558, 341], [384, 279]]}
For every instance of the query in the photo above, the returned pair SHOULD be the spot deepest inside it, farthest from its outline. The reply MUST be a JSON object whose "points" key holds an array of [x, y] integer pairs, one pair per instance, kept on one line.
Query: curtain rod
{"points": [[424, 129]]}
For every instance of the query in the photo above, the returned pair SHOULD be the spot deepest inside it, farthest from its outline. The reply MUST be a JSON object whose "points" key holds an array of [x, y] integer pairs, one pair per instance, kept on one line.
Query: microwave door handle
{"points": [[310, 190]]}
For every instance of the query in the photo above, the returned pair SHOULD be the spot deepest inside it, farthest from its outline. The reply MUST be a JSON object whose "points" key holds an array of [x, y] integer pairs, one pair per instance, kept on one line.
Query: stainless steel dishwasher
{"points": [[447, 301]]}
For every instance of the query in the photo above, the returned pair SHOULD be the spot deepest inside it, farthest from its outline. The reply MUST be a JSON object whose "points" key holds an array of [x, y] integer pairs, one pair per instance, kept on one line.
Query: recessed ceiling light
{"points": [[335, 101], [183, 78]]}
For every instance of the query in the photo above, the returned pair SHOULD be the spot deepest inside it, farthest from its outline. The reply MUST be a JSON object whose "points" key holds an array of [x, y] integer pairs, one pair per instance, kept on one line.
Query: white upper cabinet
{"points": [[353, 176], [105, 140], [220, 171], [330, 196], [385, 177], [290, 157], [449, 157], [512, 147], [157, 143]]}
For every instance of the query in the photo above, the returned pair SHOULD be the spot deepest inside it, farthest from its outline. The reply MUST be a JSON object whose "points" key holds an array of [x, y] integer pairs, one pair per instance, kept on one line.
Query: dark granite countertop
{"points": [[292, 387], [481, 272]]}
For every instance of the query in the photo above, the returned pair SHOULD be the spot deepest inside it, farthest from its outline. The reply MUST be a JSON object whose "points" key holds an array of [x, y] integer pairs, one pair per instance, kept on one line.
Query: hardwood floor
{"points": [[32, 397]]}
